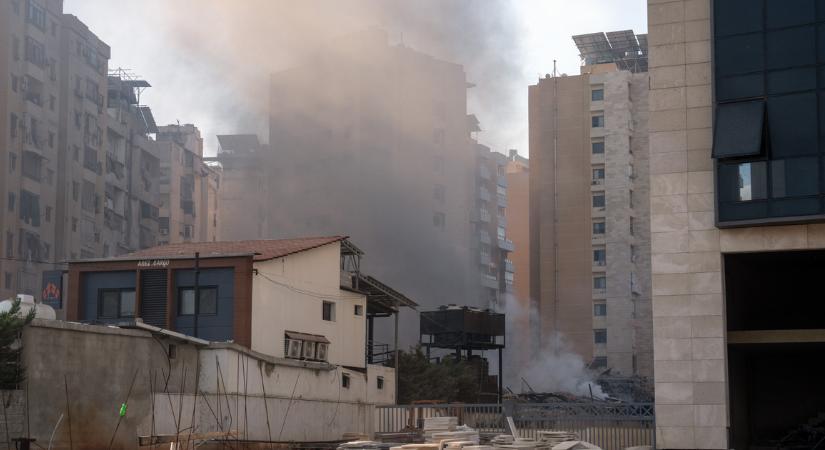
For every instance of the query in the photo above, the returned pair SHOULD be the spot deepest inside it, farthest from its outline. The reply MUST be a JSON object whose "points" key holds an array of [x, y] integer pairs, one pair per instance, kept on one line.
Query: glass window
{"points": [[739, 54], [127, 303], [598, 173], [598, 201], [328, 311], [597, 95], [598, 227], [791, 80], [790, 48], [598, 147], [186, 302], [599, 257], [779, 14], [345, 380], [208, 304], [740, 87], [359, 310], [738, 130], [600, 336], [600, 309], [379, 382], [599, 283], [109, 304], [792, 124], [743, 182], [736, 16], [597, 121], [794, 177]]}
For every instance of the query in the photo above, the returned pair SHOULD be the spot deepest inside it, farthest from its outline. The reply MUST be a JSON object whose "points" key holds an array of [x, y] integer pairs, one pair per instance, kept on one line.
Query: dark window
{"points": [[9, 244], [30, 208], [791, 47], [598, 147], [742, 182], [598, 174], [792, 124], [600, 336], [12, 162], [359, 310], [345, 380], [207, 306], [738, 130], [600, 309], [598, 227], [598, 201], [8, 280], [739, 54], [116, 303], [599, 257], [13, 126], [36, 15], [778, 14], [31, 166], [794, 177], [597, 95], [328, 311], [599, 283], [379, 382], [12, 198], [597, 121]]}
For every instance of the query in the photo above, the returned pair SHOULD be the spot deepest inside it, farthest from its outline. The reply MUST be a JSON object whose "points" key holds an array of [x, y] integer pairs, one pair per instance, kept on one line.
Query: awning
{"points": [[381, 298], [306, 337]]}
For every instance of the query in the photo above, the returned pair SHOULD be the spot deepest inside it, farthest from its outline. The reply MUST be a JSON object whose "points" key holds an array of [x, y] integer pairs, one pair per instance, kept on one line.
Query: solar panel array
{"points": [[625, 48]]}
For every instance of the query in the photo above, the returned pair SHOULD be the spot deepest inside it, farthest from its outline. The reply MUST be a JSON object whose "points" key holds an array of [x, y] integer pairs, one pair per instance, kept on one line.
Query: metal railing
{"points": [[610, 426]]}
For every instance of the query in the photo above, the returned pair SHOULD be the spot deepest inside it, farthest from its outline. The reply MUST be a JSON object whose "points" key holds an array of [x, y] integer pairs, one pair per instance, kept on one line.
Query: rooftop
{"points": [[624, 48]]}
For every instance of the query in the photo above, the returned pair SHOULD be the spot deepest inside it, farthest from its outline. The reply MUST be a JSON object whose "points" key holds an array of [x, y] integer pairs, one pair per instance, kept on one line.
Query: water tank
{"points": [[27, 303]]}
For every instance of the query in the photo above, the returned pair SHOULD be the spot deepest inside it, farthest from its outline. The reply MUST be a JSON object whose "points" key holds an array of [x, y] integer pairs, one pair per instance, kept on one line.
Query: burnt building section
{"points": [[468, 332], [130, 212]]}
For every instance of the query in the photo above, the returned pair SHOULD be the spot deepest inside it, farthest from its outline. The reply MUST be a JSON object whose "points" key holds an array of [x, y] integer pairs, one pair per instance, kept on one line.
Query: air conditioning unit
{"points": [[322, 351], [309, 350], [293, 348]]}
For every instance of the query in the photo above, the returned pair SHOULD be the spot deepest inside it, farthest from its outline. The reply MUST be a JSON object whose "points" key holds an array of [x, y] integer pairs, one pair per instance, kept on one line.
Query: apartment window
{"points": [[599, 362], [52, 101], [502, 233], [35, 52], [599, 257], [597, 121], [598, 174], [12, 162], [600, 282], [600, 336], [9, 280], [599, 227], [597, 95], [31, 166], [600, 309], [359, 310], [597, 147], [439, 220], [438, 192], [12, 198], [206, 306], [633, 253], [598, 201], [15, 48], [379, 383], [438, 164], [14, 79], [30, 208], [632, 226], [116, 303], [13, 126], [75, 190], [36, 15], [76, 153], [9, 244], [87, 199], [630, 198], [74, 224], [345, 380], [328, 311]]}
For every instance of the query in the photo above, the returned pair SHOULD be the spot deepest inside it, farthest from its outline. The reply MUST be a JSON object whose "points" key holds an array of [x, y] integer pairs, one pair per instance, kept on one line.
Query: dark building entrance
{"points": [[775, 308]]}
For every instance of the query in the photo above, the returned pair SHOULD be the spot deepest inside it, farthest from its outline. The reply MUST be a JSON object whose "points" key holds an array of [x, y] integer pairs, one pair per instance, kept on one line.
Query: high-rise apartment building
{"points": [[588, 206], [372, 140], [737, 221], [188, 200], [519, 336], [245, 164]]}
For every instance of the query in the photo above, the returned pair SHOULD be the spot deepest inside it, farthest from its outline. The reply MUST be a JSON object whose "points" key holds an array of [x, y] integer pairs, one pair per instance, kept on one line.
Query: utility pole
{"points": [[197, 292]]}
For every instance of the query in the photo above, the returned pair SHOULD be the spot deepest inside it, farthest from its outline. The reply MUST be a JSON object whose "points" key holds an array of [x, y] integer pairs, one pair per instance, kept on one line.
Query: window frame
{"points": [[324, 304], [179, 298], [120, 291]]}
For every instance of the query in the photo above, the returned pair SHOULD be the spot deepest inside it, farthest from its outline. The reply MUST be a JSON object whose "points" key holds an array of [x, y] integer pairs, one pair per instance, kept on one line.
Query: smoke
{"points": [[551, 367]]}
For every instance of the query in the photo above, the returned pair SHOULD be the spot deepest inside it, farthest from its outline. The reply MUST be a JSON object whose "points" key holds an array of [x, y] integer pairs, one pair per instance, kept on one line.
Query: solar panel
{"points": [[620, 47]]}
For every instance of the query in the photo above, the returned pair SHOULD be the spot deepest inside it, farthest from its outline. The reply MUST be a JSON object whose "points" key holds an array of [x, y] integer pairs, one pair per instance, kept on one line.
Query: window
{"points": [[8, 280], [14, 83], [36, 15], [632, 226], [599, 362], [597, 95], [597, 121], [379, 382], [345, 380], [633, 253], [74, 224], [9, 244], [15, 48], [359, 310], [600, 309], [12, 162], [35, 52], [48, 214], [630, 198], [31, 166], [598, 201], [794, 177], [502, 233], [598, 174], [172, 351], [13, 126], [438, 192], [116, 303], [599, 282], [207, 306], [75, 190], [439, 220], [12, 198], [30, 208], [742, 182], [51, 139], [599, 257], [52, 101], [598, 227], [597, 147], [87, 200], [739, 129], [328, 311], [600, 336]]}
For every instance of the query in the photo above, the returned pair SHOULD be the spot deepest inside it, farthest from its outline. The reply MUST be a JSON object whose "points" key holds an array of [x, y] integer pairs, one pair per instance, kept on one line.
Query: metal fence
{"points": [[610, 426]]}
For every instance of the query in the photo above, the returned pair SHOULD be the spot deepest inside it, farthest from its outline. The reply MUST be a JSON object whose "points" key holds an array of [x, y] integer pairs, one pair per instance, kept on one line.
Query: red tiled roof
{"points": [[263, 250]]}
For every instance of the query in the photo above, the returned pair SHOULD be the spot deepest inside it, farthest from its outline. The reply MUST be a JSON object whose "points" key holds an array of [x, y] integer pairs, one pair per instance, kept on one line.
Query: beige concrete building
{"points": [[188, 198], [518, 231], [588, 208], [736, 222]]}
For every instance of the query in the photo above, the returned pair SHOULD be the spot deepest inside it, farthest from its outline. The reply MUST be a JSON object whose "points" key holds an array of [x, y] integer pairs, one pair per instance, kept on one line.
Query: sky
{"points": [[208, 60]]}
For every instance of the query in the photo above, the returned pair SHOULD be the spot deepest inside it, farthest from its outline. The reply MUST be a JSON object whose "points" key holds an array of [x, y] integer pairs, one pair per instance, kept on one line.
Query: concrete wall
{"points": [[288, 293]]}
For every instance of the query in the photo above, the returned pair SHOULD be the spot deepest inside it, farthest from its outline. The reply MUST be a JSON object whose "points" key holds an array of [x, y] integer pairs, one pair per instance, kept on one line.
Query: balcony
{"points": [[489, 281], [484, 238], [484, 194], [506, 245], [484, 259], [502, 221], [484, 216], [502, 200], [508, 266]]}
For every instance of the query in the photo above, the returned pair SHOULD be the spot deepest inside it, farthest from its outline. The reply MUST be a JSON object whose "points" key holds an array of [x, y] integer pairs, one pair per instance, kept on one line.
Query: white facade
{"points": [[288, 295]]}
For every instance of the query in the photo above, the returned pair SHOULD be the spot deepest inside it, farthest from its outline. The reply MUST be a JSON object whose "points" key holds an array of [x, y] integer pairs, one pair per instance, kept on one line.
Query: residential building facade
{"points": [[382, 151], [521, 333], [589, 236], [736, 220], [245, 165]]}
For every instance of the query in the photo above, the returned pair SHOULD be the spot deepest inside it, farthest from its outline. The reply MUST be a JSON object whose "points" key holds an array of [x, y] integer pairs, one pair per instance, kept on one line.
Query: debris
{"points": [[575, 445], [554, 438]]}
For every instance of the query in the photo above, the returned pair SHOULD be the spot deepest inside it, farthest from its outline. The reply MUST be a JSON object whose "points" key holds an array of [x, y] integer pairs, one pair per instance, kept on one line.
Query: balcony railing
{"points": [[506, 244]]}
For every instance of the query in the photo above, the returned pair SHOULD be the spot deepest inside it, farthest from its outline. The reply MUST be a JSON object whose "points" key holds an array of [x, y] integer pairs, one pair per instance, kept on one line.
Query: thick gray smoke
{"points": [[553, 367]]}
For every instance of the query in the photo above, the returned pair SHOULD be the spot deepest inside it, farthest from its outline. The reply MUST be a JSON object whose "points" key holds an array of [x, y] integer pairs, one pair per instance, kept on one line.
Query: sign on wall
{"points": [[52, 293]]}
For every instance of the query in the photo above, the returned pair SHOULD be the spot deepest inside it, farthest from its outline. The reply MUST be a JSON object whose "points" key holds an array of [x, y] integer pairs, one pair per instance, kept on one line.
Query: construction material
{"points": [[144, 441], [575, 445], [554, 438]]}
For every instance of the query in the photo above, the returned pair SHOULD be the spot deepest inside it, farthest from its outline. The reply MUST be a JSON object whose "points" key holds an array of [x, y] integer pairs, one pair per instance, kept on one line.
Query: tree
{"points": [[12, 322], [447, 381]]}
